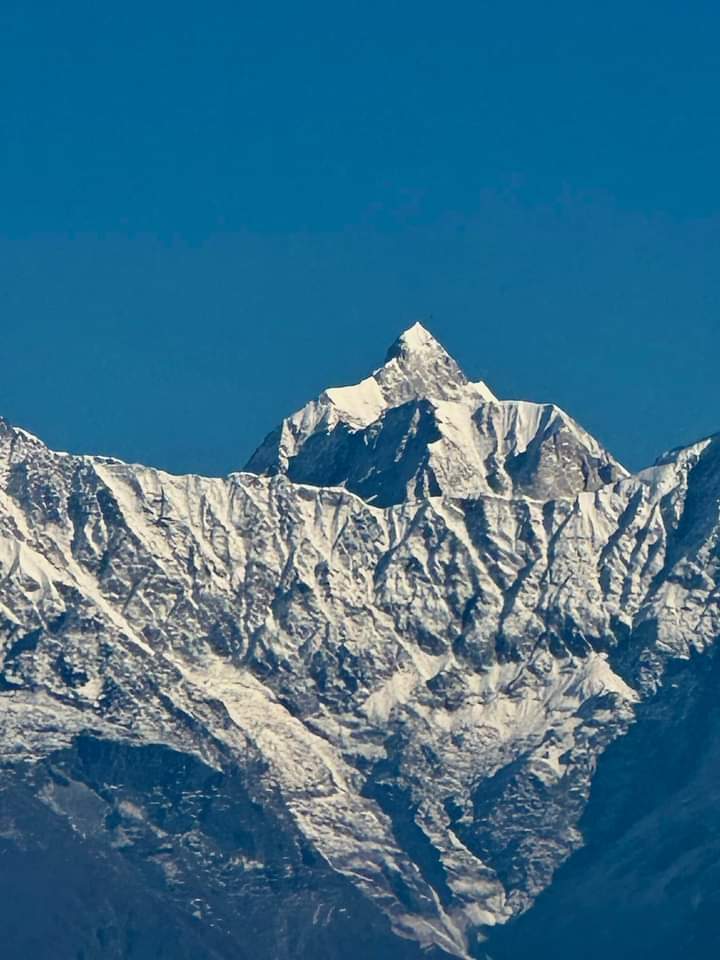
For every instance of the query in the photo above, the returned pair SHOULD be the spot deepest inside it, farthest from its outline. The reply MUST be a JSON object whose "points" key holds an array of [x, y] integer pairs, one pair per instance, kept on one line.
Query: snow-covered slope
{"points": [[418, 428], [391, 656]]}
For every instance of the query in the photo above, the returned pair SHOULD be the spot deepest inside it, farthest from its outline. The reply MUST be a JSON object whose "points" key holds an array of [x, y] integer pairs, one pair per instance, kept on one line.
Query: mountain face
{"points": [[429, 679], [417, 428]]}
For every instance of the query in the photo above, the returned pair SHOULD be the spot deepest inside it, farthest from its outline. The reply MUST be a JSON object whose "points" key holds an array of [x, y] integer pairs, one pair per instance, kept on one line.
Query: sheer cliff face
{"points": [[356, 695]]}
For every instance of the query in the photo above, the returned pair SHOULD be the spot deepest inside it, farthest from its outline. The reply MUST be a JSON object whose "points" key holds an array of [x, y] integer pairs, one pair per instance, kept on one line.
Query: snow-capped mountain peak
{"points": [[295, 724], [418, 427], [418, 366], [415, 338]]}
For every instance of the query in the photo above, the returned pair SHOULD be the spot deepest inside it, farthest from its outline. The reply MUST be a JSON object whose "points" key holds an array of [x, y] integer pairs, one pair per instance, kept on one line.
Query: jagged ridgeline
{"points": [[433, 666]]}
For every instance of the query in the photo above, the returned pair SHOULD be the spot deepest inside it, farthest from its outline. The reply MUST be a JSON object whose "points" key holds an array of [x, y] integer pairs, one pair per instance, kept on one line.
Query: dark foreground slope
{"points": [[118, 852], [647, 882]]}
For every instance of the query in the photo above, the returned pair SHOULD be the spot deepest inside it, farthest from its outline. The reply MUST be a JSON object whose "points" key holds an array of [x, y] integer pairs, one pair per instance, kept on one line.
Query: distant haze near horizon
{"points": [[208, 221]]}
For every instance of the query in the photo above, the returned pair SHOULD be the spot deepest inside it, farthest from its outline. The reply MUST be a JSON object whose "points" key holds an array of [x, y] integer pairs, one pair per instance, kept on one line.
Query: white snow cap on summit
{"points": [[416, 337], [416, 366]]}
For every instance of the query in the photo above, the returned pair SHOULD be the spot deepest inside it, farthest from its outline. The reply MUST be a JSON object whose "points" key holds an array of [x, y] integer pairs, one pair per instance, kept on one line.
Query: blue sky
{"points": [[210, 212]]}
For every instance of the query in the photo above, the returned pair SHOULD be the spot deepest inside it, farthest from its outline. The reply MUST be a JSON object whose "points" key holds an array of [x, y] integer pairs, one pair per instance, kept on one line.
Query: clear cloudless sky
{"points": [[210, 211]]}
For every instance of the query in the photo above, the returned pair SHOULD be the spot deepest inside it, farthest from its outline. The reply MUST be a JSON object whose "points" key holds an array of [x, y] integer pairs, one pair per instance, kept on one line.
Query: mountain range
{"points": [[433, 676]]}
